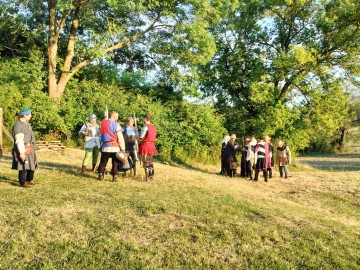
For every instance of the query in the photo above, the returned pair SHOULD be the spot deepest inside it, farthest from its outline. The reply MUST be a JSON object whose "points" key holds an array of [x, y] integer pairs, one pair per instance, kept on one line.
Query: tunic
{"points": [[147, 145], [24, 136]]}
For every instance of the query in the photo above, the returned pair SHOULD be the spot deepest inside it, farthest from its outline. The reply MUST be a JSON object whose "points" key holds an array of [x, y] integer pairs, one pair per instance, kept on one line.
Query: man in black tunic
{"points": [[24, 157]]}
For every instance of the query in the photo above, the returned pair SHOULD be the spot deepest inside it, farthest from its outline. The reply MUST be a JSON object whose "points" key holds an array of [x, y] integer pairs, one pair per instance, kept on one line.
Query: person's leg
{"points": [[87, 158], [103, 162], [22, 178], [286, 171], [95, 155], [256, 175], [249, 169], [30, 177], [115, 167], [265, 173], [270, 172]]}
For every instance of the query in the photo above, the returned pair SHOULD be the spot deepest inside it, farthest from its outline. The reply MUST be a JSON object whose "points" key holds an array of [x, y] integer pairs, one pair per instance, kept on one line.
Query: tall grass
{"points": [[184, 219]]}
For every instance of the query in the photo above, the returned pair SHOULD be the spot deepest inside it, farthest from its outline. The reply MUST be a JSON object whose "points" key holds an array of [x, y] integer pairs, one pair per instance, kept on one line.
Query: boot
{"points": [[265, 176], [270, 173], [83, 169], [114, 179], [100, 177], [256, 176]]}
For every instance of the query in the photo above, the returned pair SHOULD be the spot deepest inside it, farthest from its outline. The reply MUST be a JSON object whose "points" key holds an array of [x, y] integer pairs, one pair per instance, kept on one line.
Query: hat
{"points": [[25, 111], [92, 116], [233, 136]]}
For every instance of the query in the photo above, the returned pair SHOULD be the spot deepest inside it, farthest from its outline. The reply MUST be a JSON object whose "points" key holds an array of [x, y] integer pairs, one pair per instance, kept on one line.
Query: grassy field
{"points": [[184, 219]]}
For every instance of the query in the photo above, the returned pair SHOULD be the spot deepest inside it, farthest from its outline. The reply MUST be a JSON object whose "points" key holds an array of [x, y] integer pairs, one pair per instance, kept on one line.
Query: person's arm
{"points": [[121, 140], [20, 145], [143, 133], [288, 154], [83, 131]]}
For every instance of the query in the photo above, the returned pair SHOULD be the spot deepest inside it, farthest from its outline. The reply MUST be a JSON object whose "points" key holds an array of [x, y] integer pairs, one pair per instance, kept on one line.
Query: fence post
{"points": [[1, 132]]}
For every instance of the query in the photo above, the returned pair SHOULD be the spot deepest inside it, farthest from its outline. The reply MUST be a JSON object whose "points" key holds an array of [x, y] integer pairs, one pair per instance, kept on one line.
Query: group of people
{"points": [[124, 145], [257, 155]]}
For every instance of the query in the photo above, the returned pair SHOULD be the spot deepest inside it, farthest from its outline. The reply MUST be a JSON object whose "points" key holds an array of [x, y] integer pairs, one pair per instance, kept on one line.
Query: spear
{"points": [[106, 114]]}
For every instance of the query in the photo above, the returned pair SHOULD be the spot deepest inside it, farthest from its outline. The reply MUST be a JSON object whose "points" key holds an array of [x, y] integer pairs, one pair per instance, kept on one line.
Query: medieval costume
{"points": [[224, 159], [262, 159], [283, 158], [91, 133], [147, 147], [271, 153], [24, 156], [246, 166], [250, 156], [112, 141], [131, 136], [230, 153]]}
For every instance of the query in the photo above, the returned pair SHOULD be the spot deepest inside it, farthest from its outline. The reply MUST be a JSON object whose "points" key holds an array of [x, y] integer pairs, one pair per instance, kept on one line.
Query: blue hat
{"points": [[92, 116], [25, 111]]}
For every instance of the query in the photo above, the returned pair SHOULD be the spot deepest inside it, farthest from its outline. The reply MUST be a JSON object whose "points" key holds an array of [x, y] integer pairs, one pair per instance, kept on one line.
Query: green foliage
{"points": [[21, 85], [192, 130], [280, 68]]}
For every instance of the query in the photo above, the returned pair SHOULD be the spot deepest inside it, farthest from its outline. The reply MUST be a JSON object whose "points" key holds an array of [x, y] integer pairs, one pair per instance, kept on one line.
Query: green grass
{"points": [[184, 219]]}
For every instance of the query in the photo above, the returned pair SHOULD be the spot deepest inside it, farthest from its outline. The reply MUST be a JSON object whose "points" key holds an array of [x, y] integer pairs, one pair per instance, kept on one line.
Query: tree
{"points": [[172, 34], [281, 65]]}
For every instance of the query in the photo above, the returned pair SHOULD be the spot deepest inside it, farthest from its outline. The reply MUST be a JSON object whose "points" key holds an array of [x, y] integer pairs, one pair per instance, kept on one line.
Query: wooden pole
{"points": [[1, 132]]}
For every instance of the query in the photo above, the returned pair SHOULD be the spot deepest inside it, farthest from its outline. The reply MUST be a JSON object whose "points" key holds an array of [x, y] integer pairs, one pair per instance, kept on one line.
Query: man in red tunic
{"points": [[147, 147]]}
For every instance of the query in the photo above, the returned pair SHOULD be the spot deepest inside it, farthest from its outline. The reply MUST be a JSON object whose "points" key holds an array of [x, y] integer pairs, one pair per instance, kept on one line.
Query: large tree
{"points": [[171, 34], [280, 65]]}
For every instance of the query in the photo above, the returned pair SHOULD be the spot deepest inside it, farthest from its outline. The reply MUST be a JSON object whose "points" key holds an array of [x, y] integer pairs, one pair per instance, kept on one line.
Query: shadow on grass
{"points": [[68, 169], [10, 181], [178, 162], [343, 162]]}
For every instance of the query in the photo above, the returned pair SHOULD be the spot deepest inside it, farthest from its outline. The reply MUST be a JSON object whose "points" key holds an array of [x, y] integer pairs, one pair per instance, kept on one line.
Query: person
{"points": [[262, 159], [131, 136], [283, 158], [147, 147], [271, 153], [245, 170], [224, 161], [230, 152], [112, 142], [250, 156], [91, 133], [23, 152]]}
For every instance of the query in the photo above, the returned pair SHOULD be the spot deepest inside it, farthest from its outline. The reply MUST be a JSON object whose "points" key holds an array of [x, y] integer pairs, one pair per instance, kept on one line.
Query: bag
{"points": [[28, 149], [233, 165]]}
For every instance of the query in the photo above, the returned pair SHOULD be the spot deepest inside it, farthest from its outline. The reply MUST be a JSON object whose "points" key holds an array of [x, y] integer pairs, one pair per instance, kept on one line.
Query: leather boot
{"points": [[256, 176], [83, 169], [100, 177], [265, 176], [115, 177]]}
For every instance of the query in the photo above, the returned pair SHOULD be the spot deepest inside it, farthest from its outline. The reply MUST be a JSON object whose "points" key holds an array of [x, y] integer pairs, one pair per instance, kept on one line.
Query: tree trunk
{"points": [[342, 139], [52, 51]]}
